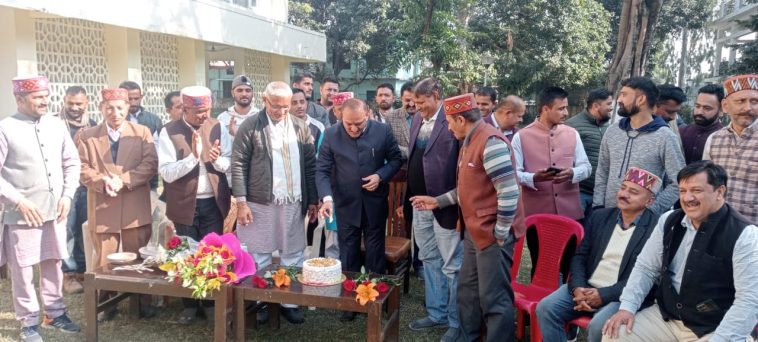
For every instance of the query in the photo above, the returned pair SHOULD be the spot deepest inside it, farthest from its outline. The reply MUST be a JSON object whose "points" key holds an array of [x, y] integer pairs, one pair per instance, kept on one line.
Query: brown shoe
{"points": [[80, 277], [71, 285]]}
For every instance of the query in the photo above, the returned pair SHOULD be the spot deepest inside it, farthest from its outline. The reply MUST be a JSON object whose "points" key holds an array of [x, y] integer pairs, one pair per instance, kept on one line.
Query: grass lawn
{"points": [[320, 325]]}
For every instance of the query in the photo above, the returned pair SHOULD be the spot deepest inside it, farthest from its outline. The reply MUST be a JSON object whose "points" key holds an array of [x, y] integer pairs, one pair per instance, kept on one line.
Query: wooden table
{"points": [[150, 283], [332, 297]]}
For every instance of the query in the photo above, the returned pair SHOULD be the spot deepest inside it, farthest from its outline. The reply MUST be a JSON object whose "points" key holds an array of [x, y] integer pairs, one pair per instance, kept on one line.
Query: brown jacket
{"points": [[136, 163], [181, 193]]}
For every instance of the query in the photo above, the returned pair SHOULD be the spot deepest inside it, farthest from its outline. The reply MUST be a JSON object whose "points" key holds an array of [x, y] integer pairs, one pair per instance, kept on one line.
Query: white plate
{"points": [[121, 258], [146, 251]]}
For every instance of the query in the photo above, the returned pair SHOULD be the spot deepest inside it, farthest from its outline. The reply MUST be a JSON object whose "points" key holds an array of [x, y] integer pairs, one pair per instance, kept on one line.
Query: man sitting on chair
{"points": [[599, 270]]}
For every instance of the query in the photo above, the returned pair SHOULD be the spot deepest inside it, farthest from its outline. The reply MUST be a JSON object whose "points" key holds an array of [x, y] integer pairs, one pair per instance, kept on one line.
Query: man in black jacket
{"points": [[599, 270], [363, 156]]}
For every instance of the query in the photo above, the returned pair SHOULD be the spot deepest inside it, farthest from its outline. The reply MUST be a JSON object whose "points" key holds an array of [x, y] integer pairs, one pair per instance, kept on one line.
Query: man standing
{"points": [[508, 114], [735, 147], [193, 165], [385, 99], [232, 118], [707, 115], [432, 165], [273, 167], [637, 141], [337, 100], [400, 119], [118, 160], [329, 86], [591, 125], [599, 271], [74, 115], [173, 103], [137, 113], [486, 100], [703, 259], [488, 207], [670, 99], [362, 156], [551, 159], [39, 174], [304, 81]]}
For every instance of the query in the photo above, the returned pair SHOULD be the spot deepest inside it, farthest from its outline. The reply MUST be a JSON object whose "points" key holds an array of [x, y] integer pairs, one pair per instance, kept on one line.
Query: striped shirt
{"points": [[497, 164]]}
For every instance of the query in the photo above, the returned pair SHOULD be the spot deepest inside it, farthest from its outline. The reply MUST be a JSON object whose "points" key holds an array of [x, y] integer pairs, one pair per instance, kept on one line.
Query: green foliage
{"points": [[748, 63]]}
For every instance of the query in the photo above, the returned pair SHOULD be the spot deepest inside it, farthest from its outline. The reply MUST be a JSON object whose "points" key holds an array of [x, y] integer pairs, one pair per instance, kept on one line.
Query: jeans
{"points": [[585, 201], [558, 308], [441, 252], [76, 263]]}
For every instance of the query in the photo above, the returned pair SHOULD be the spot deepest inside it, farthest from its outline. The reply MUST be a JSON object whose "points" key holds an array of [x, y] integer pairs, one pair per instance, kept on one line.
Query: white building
{"points": [[729, 31], [162, 45]]}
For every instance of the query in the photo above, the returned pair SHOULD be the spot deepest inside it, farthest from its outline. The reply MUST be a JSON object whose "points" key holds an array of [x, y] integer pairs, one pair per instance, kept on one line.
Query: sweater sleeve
{"points": [[497, 164], [601, 173], [673, 160]]}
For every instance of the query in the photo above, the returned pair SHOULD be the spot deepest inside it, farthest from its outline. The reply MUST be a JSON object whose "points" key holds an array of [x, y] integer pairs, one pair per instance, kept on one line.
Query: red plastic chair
{"points": [[582, 322], [553, 235]]}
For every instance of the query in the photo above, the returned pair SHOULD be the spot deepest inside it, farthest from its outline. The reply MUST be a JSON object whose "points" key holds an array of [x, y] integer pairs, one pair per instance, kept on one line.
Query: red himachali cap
{"points": [[459, 104], [111, 94], [23, 85], [339, 98], [740, 82], [196, 97], [644, 179]]}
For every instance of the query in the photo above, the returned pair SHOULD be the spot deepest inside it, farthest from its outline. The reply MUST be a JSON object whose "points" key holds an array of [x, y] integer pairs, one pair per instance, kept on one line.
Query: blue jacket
{"points": [[374, 152]]}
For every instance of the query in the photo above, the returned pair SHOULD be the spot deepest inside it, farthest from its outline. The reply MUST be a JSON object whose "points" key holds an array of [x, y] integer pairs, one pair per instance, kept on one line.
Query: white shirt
{"points": [[114, 135], [607, 271], [172, 169], [582, 167]]}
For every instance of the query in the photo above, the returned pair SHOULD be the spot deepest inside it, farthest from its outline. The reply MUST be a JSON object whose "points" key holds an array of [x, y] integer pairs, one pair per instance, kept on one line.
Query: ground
{"points": [[320, 325]]}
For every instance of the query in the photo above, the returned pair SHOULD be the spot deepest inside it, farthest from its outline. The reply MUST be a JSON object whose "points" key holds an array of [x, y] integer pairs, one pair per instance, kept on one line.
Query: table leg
{"points": [[392, 331], [239, 315], [374, 325], [273, 315], [90, 307], [219, 329]]}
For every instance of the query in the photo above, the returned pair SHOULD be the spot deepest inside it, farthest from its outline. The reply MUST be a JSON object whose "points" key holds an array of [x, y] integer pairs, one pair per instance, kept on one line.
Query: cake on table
{"points": [[322, 271]]}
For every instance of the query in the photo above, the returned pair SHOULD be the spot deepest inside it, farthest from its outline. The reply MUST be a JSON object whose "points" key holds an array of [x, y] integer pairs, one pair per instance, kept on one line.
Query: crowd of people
{"points": [[670, 247]]}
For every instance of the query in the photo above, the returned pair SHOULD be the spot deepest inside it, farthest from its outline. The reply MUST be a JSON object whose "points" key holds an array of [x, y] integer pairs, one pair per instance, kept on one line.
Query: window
{"points": [[244, 3], [226, 88]]}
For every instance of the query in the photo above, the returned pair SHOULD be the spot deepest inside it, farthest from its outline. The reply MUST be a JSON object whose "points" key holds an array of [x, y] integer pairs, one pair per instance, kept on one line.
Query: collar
{"points": [[432, 119], [749, 129], [471, 131], [234, 113], [591, 119], [635, 223]]}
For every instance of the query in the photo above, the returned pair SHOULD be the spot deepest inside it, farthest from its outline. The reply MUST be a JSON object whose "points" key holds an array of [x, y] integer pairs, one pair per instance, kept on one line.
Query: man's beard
{"points": [[134, 109], [385, 106], [241, 104], [624, 113], [73, 115], [705, 122]]}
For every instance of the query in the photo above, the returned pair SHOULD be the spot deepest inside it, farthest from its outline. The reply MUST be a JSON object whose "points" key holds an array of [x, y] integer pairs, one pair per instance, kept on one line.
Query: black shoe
{"points": [[107, 315], [210, 313], [347, 316], [263, 315], [147, 311], [293, 315], [187, 316]]}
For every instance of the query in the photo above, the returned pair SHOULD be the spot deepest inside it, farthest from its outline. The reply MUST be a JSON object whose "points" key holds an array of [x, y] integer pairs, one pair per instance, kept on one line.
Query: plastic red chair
{"points": [[582, 322], [553, 235]]}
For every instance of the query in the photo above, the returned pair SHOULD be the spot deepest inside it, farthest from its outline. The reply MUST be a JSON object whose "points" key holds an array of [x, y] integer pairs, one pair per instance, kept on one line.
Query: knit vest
{"points": [[693, 140], [543, 148], [740, 159], [180, 194], [707, 288], [591, 132], [477, 197], [33, 163]]}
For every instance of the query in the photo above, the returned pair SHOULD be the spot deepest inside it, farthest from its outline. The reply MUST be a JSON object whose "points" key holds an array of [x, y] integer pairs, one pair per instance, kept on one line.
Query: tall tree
{"points": [[635, 37]]}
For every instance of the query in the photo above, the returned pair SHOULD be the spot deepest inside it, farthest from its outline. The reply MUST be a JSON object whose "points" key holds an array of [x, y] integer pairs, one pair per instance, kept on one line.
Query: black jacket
{"points": [[349, 160], [598, 229]]}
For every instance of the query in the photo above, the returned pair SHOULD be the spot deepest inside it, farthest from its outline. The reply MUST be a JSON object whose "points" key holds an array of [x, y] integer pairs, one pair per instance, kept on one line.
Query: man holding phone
{"points": [[551, 163]]}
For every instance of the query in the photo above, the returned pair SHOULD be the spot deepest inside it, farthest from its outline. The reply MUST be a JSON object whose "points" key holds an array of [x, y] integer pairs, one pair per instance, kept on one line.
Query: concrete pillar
{"points": [[193, 67], [280, 68], [116, 54]]}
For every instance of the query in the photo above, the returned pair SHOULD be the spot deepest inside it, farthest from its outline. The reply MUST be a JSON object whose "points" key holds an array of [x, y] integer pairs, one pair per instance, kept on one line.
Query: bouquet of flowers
{"points": [[368, 288], [215, 261]]}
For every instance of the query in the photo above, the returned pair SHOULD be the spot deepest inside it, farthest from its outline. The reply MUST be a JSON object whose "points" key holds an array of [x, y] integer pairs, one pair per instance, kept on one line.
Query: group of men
{"points": [[643, 271]]}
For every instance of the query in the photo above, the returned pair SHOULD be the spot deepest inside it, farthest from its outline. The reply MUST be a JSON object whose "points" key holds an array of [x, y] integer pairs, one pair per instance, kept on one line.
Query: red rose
{"points": [[382, 287], [174, 242], [349, 285], [260, 282]]}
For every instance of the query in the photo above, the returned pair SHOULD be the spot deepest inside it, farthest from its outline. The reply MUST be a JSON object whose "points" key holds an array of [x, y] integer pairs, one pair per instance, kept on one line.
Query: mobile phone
{"points": [[553, 170]]}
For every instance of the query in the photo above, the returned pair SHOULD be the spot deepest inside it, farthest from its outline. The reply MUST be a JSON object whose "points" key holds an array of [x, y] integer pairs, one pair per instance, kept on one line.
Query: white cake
{"points": [[323, 271]]}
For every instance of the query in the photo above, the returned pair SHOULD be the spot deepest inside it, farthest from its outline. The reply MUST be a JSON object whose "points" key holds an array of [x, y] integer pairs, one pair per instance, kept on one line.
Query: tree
{"points": [[748, 63], [635, 37]]}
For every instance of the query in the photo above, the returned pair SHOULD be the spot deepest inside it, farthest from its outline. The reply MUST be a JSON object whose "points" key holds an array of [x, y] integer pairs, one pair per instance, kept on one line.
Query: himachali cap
{"points": [[111, 94], [740, 82], [339, 98], [459, 104], [196, 97], [23, 85], [644, 179], [241, 80]]}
